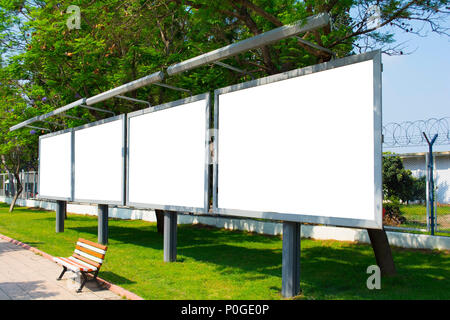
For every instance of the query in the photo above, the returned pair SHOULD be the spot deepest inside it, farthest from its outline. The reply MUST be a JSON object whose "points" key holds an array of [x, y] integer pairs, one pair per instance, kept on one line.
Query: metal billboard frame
{"points": [[49, 135], [172, 104], [292, 217], [124, 132]]}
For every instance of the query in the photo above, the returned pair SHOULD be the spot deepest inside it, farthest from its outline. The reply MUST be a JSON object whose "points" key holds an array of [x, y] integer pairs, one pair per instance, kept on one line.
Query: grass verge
{"points": [[222, 264]]}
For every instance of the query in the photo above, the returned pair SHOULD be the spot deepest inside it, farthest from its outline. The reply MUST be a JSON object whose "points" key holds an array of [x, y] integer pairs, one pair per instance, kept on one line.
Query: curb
{"points": [[111, 287]]}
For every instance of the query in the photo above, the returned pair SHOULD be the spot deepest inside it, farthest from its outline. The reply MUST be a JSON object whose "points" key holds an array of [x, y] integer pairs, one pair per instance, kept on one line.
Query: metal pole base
{"points": [[290, 269], [170, 236], [103, 224], [61, 209], [382, 250]]}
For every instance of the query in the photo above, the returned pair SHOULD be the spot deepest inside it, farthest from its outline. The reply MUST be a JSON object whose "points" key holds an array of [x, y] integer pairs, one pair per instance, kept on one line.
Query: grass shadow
{"points": [[115, 278]]}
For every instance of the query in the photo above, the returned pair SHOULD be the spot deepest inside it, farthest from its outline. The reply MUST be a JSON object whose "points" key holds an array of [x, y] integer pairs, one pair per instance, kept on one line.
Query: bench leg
{"points": [[83, 281], [95, 278], [62, 273]]}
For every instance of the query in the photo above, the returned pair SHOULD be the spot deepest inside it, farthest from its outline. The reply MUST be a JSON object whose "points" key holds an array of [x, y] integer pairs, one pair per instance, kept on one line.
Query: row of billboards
{"points": [[301, 146]]}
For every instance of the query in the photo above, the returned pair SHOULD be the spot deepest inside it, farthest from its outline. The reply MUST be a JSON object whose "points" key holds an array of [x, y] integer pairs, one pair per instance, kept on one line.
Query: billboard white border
{"points": [[49, 135], [348, 222], [121, 117], [177, 103]]}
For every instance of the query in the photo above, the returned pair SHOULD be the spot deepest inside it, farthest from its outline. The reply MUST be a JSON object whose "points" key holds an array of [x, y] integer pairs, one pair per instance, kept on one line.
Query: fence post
{"points": [[431, 183]]}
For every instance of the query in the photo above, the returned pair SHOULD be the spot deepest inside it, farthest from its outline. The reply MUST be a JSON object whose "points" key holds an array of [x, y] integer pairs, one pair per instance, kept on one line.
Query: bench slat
{"points": [[88, 246], [97, 245], [72, 265], [88, 256], [95, 264], [87, 265], [90, 252]]}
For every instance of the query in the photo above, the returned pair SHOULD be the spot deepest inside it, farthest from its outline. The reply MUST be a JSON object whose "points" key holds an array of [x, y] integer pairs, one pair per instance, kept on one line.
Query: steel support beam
{"points": [[290, 283], [172, 87], [226, 65], [103, 223], [97, 109], [47, 115], [134, 100], [61, 209], [382, 251], [315, 46], [133, 85], [170, 236], [287, 31], [38, 128]]}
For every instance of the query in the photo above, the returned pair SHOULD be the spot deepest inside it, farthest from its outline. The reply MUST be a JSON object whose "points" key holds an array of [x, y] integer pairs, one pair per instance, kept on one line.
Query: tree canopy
{"points": [[46, 65], [399, 183]]}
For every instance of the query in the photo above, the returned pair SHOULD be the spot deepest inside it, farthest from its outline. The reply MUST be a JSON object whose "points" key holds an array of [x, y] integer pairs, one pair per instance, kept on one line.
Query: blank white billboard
{"points": [[303, 146], [99, 162], [166, 155], [55, 164]]}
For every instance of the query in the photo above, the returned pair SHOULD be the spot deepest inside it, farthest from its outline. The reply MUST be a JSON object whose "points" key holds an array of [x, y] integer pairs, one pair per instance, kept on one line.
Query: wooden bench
{"points": [[87, 258]]}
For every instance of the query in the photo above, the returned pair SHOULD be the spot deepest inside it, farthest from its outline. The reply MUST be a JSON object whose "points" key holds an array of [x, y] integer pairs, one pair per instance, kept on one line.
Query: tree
{"points": [[18, 149], [399, 183]]}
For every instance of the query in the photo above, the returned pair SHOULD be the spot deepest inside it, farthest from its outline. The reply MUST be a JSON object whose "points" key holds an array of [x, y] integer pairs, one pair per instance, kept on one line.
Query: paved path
{"points": [[25, 275]]}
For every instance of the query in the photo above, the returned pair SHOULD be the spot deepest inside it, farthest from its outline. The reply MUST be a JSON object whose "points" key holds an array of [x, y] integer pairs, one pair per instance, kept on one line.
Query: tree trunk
{"points": [[19, 189], [160, 221]]}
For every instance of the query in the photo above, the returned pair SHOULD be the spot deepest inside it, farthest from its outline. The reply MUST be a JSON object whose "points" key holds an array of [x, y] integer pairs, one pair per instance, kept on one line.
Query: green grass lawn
{"points": [[221, 264]]}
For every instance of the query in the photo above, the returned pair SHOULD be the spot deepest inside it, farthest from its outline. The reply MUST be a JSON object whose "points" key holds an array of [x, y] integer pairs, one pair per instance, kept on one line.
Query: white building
{"points": [[417, 163]]}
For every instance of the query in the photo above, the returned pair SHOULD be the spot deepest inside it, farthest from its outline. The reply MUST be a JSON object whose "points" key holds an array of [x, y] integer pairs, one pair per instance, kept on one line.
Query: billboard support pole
{"points": [[61, 208], [382, 251], [170, 236], [290, 283], [103, 224]]}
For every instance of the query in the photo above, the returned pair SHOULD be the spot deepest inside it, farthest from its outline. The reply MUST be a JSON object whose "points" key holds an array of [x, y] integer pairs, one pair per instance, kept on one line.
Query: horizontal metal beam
{"points": [[257, 41], [155, 77], [47, 115], [133, 85]]}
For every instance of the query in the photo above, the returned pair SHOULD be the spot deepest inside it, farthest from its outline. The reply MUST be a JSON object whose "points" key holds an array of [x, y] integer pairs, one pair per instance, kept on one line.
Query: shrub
{"points": [[391, 213]]}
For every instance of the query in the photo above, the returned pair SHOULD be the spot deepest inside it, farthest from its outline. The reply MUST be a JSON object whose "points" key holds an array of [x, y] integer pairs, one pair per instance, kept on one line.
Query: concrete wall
{"points": [[417, 165], [404, 240]]}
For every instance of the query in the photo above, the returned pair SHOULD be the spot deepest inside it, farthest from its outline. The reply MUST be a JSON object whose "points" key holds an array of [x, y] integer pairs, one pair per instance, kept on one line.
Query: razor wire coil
{"points": [[410, 133]]}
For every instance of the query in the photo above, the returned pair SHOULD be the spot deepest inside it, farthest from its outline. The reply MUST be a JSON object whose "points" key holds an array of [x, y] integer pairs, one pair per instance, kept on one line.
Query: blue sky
{"points": [[417, 86]]}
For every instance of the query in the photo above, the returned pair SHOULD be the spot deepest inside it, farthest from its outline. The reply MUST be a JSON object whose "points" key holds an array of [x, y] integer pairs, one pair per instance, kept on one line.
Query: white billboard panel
{"points": [[303, 146], [55, 165], [99, 161], [166, 155]]}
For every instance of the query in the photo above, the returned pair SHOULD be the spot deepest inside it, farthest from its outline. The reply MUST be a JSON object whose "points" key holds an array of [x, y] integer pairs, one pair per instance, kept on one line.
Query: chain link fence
{"points": [[29, 181], [416, 215]]}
